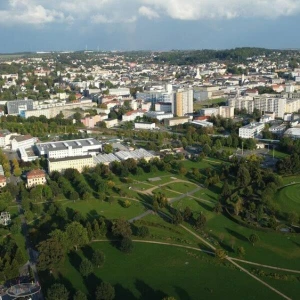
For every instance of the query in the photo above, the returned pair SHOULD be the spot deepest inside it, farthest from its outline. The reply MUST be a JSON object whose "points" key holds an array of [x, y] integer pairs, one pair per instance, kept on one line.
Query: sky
{"points": [[65, 25]]}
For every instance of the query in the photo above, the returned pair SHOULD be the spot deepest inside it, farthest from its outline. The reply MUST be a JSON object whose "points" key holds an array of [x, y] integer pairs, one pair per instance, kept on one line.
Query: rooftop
{"points": [[35, 173], [61, 145], [69, 158]]}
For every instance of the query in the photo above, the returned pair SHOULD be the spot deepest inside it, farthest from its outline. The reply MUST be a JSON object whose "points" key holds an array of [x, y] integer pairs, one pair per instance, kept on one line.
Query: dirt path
{"points": [[265, 266]]}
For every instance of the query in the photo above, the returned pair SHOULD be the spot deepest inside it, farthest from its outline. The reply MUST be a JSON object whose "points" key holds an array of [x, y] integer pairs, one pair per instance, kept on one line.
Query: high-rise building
{"points": [[183, 102]]}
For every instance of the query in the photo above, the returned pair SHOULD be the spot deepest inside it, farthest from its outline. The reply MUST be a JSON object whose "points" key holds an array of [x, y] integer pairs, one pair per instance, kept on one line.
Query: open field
{"points": [[288, 198], [115, 210], [187, 274], [201, 104]]}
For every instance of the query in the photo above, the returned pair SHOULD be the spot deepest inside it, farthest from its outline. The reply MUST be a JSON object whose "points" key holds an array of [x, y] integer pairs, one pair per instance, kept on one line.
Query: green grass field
{"points": [[154, 271], [111, 211], [288, 198]]}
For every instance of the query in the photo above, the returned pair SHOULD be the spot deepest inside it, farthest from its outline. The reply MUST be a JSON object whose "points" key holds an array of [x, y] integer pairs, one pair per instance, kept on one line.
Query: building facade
{"points": [[251, 131], [78, 163], [183, 102], [35, 177], [62, 149]]}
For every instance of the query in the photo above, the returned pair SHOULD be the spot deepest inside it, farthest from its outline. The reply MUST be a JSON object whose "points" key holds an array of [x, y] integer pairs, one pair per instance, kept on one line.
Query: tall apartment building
{"points": [[262, 103], [183, 102]]}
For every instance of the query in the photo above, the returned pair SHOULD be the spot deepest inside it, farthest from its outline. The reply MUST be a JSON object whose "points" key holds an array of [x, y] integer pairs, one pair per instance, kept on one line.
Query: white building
{"points": [[132, 115], [22, 141], [159, 115], [251, 130], [77, 162], [70, 148], [262, 103], [5, 138], [120, 92], [144, 125], [202, 123]]}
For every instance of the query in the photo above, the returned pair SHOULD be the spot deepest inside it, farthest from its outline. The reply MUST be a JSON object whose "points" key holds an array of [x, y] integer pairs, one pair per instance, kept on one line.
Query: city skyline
{"points": [[39, 25]]}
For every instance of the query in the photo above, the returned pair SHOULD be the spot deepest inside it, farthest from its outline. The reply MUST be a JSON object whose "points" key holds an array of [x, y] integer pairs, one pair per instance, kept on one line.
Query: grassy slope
{"points": [[185, 274]]}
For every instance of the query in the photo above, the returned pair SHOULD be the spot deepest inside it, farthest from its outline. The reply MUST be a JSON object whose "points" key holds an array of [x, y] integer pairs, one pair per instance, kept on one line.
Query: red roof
{"points": [[35, 174], [2, 179]]}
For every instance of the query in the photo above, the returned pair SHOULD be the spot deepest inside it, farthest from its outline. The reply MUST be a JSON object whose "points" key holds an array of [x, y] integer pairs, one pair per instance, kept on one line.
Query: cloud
{"points": [[148, 12], [109, 20], [225, 9], [128, 11], [29, 12]]}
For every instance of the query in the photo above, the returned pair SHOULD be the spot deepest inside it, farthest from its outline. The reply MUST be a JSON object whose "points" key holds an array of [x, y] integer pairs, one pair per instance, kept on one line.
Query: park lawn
{"points": [[273, 248], [289, 286], [289, 179], [155, 271], [181, 187], [288, 198], [110, 211], [205, 163], [167, 232], [278, 154], [168, 193], [210, 194]]}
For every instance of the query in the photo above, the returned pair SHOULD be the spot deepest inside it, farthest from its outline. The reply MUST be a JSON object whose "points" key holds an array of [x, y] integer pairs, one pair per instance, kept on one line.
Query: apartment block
{"points": [[251, 130]]}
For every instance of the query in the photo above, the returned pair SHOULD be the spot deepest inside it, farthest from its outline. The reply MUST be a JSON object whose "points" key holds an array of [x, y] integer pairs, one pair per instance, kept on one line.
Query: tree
{"points": [[293, 218], [121, 228], [143, 231], [218, 208], [47, 192], [241, 251], [126, 203], [201, 221], [177, 218], [253, 238], [98, 258], [51, 253], [220, 253], [105, 291], [187, 214], [57, 292], [243, 177], [86, 267], [107, 148], [126, 245], [77, 235], [79, 295]]}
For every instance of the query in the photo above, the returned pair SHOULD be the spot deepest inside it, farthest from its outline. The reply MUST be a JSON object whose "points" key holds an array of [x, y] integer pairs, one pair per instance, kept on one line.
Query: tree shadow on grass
{"points": [[75, 259], [226, 247], [237, 235], [88, 252], [146, 198], [67, 283], [183, 295], [123, 293], [91, 282], [205, 206], [147, 292]]}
